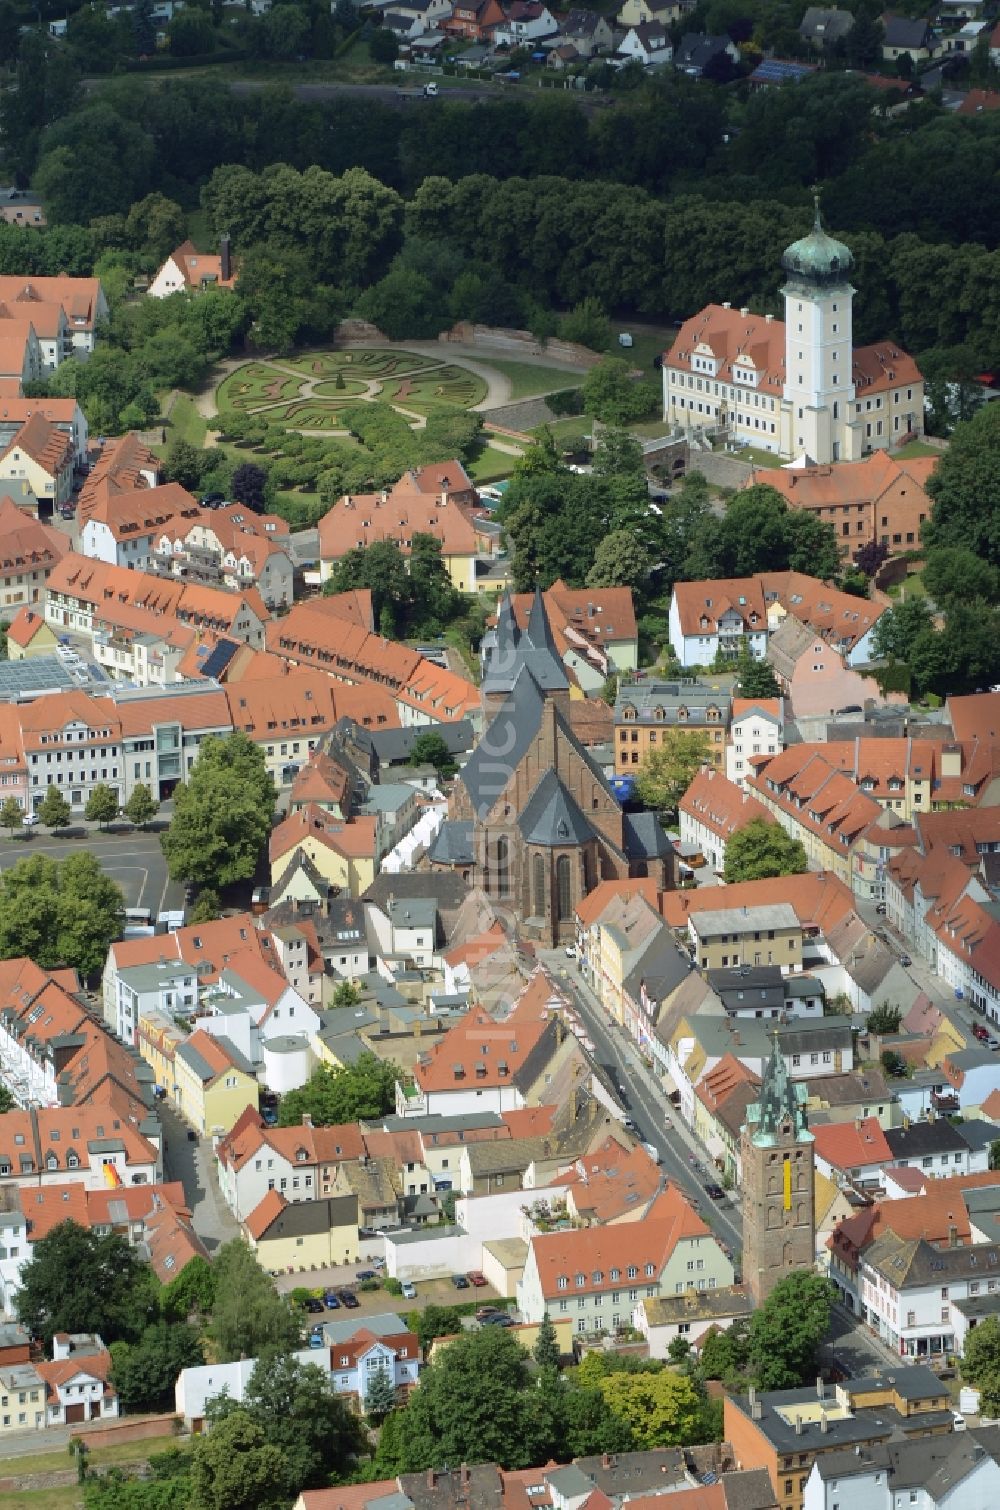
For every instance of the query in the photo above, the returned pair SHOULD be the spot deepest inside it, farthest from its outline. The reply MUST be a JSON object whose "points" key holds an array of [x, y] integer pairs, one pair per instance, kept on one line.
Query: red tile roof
{"points": [[845, 1146]]}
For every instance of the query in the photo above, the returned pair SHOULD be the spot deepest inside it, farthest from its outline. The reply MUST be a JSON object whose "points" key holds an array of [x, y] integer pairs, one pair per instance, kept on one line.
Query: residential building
{"points": [[526, 21], [229, 546], [360, 1351], [41, 457], [187, 269], [788, 1431], [213, 1083], [732, 937], [28, 554], [915, 37], [728, 618], [757, 727], [691, 1317], [436, 500], [711, 811], [852, 1153], [798, 388], [697, 52], [645, 710], [289, 1237], [880, 500], [815, 676], [122, 528], [77, 1381], [64, 413], [28, 635], [599, 1274], [648, 43], [778, 1163], [821, 28], [588, 31], [958, 1468], [343, 854], [81, 300], [474, 19], [301, 1163]]}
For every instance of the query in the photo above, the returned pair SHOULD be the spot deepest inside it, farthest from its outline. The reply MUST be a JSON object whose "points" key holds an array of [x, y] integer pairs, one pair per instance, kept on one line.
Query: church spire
{"points": [[779, 1099]]}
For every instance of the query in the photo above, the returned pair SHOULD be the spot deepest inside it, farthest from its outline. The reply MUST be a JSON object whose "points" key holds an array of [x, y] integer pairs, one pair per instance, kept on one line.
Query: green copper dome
{"points": [[818, 258]]}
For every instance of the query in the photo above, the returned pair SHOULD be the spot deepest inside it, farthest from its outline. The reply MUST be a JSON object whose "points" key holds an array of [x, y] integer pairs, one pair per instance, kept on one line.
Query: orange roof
{"points": [[849, 482], [583, 615], [297, 705], [979, 100], [103, 586], [347, 1496], [845, 1146], [820, 899], [612, 1251], [197, 268], [79, 297], [590, 907], [701, 605], [322, 779], [429, 501], [728, 1075], [976, 716], [50, 447], [24, 626], [722, 806], [771, 705], [46, 1206], [738, 340], [478, 1052], [137, 511], [527, 1122], [214, 1051], [25, 543], [355, 837], [267, 1211], [611, 1182], [62, 1370], [475, 950]]}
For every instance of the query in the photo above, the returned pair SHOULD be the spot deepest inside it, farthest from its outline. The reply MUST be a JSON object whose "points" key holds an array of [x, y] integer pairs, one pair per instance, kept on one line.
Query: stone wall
{"points": [[724, 471], [518, 343]]}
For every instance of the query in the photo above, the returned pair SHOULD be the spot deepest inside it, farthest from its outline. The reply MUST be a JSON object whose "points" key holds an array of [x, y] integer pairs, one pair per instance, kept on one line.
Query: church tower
{"points": [[779, 1228], [818, 398]]}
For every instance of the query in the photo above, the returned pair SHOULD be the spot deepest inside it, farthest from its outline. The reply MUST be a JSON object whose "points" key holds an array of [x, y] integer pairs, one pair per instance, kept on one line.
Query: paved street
{"points": [[135, 860], [648, 1105], [193, 1163]]}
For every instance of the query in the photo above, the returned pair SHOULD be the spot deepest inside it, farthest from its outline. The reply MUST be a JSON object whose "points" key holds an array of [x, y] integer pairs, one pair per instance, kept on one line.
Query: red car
{"points": [[476, 1278], [980, 1032]]}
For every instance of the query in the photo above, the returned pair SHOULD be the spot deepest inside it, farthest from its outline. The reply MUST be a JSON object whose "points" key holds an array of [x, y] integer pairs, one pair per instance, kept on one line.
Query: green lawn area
{"points": [[56, 1461], [490, 465], [186, 423], [759, 458], [916, 448], [442, 385], [913, 587], [348, 387], [646, 344], [649, 429], [528, 381], [44, 1499], [571, 428], [256, 383]]}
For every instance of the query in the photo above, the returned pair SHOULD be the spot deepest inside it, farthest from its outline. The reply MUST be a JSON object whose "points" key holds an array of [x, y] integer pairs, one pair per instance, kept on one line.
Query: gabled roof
{"points": [[551, 816], [846, 1146]]}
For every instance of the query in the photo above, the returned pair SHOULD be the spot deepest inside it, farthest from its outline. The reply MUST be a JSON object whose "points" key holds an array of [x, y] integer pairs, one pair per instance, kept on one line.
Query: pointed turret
{"points": [[780, 1101]]}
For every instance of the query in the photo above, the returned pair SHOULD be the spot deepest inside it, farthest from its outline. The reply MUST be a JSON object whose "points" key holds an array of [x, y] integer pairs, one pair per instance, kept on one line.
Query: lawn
{"points": [[342, 388], [490, 465], [44, 1499], [305, 414], [442, 385], [186, 423], [916, 448], [646, 344], [370, 362], [56, 1461], [573, 428], [256, 383], [759, 458], [528, 381]]}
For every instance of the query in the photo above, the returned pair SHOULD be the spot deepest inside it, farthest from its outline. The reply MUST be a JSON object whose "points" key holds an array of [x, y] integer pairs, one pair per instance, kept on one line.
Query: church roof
{"points": [[780, 1097], [504, 743], [533, 648], [551, 816], [645, 836]]}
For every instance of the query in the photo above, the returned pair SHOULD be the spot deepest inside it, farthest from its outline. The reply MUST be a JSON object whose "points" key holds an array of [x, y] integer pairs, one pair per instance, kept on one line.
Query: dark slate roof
{"points": [[661, 969], [551, 816], [453, 843], [644, 836], [534, 649], [444, 887], [306, 1218], [504, 743], [922, 1138], [900, 31], [696, 50], [978, 1134], [395, 745]]}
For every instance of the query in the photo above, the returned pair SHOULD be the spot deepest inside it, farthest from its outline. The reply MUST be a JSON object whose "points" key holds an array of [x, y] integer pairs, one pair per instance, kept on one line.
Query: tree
{"points": [[364, 1089], [981, 1364], [190, 34], [141, 807], [248, 1315], [756, 678], [954, 574], [249, 486], [787, 1330], [994, 1152], [723, 1355], [77, 1281], [619, 561], [678, 1349], [661, 1410], [380, 1396], [546, 1349], [346, 995], [871, 557], [759, 532], [298, 1408], [884, 1019], [666, 772], [102, 805], [12, 814], [437, 1321], [967, 473], [222, 814], [55, 811], [430, 749], [206, 907], [587, 325], [184, 464], [237, 1467], [899, 628], [144, 1373], [191, 1294], [7, 1102], [144, 28], [59, 914], [473, 1406], [761, 849], [382, 45], [611, 394]]}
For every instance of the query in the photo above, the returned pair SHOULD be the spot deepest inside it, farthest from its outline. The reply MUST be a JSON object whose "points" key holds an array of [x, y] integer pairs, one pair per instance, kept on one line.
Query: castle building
{"points": [[778, 1173], [799, 388], [532, 813]]}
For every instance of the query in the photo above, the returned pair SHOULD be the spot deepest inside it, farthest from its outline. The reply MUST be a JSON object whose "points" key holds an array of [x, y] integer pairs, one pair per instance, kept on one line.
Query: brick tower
{"points": [[779, 1227]]}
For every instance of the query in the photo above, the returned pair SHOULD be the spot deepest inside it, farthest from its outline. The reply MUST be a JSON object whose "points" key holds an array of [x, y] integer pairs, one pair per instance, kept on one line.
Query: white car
{"points": [[30, 820], [409, 1290]]}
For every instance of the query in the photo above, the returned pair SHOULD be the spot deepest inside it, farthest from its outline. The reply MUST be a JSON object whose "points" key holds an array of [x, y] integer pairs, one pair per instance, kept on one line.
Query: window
{"points": [[538, 886], [563, 888]]}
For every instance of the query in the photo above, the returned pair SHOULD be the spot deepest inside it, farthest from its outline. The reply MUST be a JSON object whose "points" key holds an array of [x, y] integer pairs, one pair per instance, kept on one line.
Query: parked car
{"points": [[377, 1262], [905, 960], [331, 1300], [978, 1031], [316, 1339], [408, 1290], [460, 1282], [477, 1279], [993, 1043], [349, 1299], [880, 909], [484, 1312], [30, 820], [314, 1306], [364, 1274], [499, 1318], [716, 1192]]}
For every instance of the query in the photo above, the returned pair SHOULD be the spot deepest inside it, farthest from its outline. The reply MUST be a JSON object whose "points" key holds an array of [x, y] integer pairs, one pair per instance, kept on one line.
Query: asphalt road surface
{"points": [[648, 1107], [134, 860]]}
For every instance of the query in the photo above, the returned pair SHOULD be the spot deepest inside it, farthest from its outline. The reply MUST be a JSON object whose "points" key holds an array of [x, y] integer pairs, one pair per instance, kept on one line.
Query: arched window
{"points": [[563, 888], [538, 886], [503, 870]]}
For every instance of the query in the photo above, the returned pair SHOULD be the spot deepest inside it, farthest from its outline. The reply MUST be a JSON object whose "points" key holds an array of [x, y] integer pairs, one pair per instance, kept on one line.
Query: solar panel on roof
{"points": [[220, 658]]}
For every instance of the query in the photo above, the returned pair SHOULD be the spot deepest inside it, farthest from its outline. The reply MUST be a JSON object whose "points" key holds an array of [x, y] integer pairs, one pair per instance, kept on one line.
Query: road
{"points": [[648, 1105], [473, 92], [192, 1161], [134, 860]]}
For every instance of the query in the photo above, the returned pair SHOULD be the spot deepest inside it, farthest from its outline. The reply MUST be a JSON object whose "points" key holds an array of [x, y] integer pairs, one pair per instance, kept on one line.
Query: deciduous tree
{"points": [[141, 807], [761, 849], [55, 811], [364, 1089], [11, 815], [102, 805], [661, 1410], [787, 1330], [144, 1372], [79, 1281], [222, 814], [666, 772], [237, 1467], [248, 1315]]}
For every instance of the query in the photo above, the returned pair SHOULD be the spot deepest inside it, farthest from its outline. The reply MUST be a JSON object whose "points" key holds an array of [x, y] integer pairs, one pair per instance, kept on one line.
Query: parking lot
{"points": [[430, 1292], [135, 860]]}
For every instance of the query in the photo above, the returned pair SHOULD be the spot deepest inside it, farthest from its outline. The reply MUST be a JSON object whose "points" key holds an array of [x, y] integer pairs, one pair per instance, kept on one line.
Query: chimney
{"points": [[858, 1124], [307, 1120], [225, 259], [820, 1388], [606, 1460], [798, 1426], [744, 312], [824, 1424], [431, 1478], [952, 1236], [768, 319]]}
